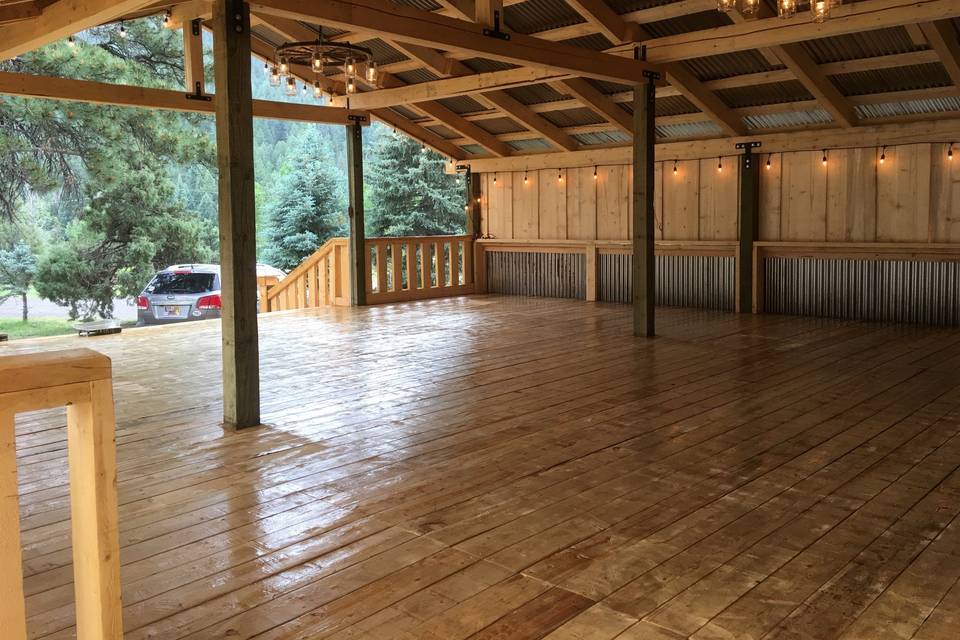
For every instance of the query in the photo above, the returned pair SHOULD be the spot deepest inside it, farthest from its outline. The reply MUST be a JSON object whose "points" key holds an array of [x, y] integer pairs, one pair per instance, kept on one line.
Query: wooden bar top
{"points": [[45, 369]]}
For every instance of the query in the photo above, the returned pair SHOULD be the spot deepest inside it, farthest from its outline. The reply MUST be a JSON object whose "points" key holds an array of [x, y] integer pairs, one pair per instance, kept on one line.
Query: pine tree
{"points": [[410, 195], [18, 268], [307, 203]]}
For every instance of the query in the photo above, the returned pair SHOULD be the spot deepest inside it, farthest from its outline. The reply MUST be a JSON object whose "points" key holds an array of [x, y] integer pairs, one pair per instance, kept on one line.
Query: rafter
{"points": [[705, 100], [59, 21], [604, 19], [603, 105], [943, 38], [449, 87], [449, 34], [19, 11], [817, 83]]}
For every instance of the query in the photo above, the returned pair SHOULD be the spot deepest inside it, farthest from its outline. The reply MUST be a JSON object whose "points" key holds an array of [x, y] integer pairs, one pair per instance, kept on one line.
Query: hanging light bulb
{"points": [[266, 69], [768, 162], [883, 155], [350, 69], [274, 77], [478, 199], [317, 64], [820, 9], [525, 179], [719, 164], [372, 72], [351, 85], [122, 31], [458, 178], [823, 160], [166, 18], [726, 5], [559, 175], [674, 167], [749, 7], [423, 148], [71, 42], [291, 87], [786, 8], [950, 152], [594, 172], [494, 179], [317, 90], [303, 90]]}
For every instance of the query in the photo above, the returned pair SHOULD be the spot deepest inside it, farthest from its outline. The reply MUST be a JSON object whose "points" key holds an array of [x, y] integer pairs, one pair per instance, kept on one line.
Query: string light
{"points": [[824, 159], [266, 69], [724, 6], [317, 90], [284, 67], [749, 7], [674, 167], [166, 18], [719, 164], [423, 148], [274, 77], [786, 8], [525, 179], [820, 10], [122, 31], [303, 90], [950, 152], [291, 86], [768, 162], [559, 175], [883, 155], [594, 172], [71, 42], [494, 179]]}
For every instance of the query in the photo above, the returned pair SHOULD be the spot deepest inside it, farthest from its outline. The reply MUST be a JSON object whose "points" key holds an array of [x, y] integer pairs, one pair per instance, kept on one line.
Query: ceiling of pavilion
{"points": [[882, 76]]}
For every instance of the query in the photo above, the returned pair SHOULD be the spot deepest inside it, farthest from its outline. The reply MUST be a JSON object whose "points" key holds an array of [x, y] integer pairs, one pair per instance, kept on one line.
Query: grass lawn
{"points": [[34, 327]]}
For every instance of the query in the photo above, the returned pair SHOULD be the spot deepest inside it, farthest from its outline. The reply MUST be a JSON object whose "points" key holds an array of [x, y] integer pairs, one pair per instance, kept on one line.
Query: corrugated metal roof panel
{"points": [[909, 108], [594, 41], [674, 106], [383, 53], [572, 117], [685, 24], [728, 64], [461, 104], [540, 15], [536, 94], [791, 119], [626, 6], [416, 76], [535, 144], [443, 132], [608, 88], [497, 126], [705, 129], [773, 93], [474, 149], [602, 137], [917, 76], [426, 5], [482, 65], [864, 44], [405, 112]]}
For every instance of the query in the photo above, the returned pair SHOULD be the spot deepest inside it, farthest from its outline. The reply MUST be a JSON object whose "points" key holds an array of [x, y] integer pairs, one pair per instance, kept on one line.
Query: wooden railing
{"points": [[418, 267], [322, 279], [81, 380]]}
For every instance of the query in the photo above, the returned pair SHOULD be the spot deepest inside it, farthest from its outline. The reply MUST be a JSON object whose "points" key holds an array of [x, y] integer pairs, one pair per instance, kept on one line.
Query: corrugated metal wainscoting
{"points": [[702, 282], [551, 275], [916, 291]]}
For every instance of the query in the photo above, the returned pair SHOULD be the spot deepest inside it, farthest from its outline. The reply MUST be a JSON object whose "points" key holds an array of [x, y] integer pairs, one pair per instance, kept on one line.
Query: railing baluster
{"points": [[425, 261], [397, 271]]}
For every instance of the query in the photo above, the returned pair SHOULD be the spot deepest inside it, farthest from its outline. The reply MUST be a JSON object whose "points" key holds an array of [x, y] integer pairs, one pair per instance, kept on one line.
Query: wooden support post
{"points": [[749, 213], [13, 617], [238, 237], [472, 227], [193, 57], [358, 239], [644, 262]]}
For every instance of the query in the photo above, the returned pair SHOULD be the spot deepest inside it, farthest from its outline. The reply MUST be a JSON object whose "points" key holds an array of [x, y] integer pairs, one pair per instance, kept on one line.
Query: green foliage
{"points": [[18, 268], [410, 195], [307, 204], [35, 327]]}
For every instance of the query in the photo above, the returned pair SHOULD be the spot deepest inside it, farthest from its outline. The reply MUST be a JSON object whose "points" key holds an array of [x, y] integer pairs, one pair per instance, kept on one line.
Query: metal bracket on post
{"points": [[198, 93], [195, 25], [358, 119], [748, 148], [496, 32]]}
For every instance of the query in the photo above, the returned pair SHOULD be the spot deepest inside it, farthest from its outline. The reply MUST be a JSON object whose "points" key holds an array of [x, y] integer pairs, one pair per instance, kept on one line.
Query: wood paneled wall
{"points": [[914, 196]]}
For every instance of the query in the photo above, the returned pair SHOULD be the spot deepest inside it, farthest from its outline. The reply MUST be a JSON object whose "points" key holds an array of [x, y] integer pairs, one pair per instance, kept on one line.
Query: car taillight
{"points": [[142, 302], [209, 302]]}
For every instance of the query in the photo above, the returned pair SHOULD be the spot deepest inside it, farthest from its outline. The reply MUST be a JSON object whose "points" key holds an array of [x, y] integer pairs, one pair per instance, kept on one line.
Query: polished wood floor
{"points": [[515, 469]]}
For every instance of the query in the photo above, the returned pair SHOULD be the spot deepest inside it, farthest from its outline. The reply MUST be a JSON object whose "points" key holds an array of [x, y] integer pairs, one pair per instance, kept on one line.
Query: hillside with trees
{"points": [[94, 198]]}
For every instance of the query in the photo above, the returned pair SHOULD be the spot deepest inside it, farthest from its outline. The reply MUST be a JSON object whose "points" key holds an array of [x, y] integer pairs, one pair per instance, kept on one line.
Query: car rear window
{"points": [[167, 282]]}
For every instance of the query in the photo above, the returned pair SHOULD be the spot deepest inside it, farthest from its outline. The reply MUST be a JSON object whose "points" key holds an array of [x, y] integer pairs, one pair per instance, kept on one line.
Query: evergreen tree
{"points": [[410, 195], [18, 267], [307, 203]]}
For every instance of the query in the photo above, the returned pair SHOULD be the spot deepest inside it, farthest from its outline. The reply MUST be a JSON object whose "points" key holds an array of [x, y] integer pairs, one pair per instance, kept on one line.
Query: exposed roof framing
{"points": [[942, 36]]}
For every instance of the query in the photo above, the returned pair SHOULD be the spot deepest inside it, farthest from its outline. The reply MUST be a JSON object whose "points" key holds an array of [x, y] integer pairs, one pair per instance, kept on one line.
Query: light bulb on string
{"points": [[525, 179], [494, 179], [674, 167], [266, 69], [594, 172], [303, 90], [71, 42], [559, 175], [823, 160], [768, 162], [883, 155], [950, 152], [122, 31], [291, 87], [166, 18], [719, 164], [317, 90], [275, 77]]}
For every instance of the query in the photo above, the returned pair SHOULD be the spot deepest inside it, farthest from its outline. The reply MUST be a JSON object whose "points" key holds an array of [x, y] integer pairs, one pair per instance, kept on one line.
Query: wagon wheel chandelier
{"points": [[819, 9], [321, 56]]}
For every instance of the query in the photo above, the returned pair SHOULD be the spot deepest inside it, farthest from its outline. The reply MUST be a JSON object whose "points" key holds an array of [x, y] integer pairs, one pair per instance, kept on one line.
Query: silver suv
{"points": [[181, 293]]}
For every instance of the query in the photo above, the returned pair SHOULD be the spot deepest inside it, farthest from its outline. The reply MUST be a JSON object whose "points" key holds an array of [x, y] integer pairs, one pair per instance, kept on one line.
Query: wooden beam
{"points": [[238, 227], [769, 32], [644, 225], [705, 100], [60, 20], [942, 37], [358, 242], [447, 88], [185, 12], [456, 122], [22, 84], [193, 57], [817, 83], [449, 34], [934, 130], [488, 12], [417, 132], [604, 19], [462, 9], [600, 103], [749, 220], [19, 11]]}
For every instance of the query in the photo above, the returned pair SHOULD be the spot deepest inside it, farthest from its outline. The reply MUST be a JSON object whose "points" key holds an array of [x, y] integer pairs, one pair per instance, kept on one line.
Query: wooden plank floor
{"points": [[516, 468]]}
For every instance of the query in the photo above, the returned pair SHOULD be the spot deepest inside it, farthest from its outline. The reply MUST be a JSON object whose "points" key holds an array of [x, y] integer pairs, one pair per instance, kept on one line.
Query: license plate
{"points": [[172, 311]]}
